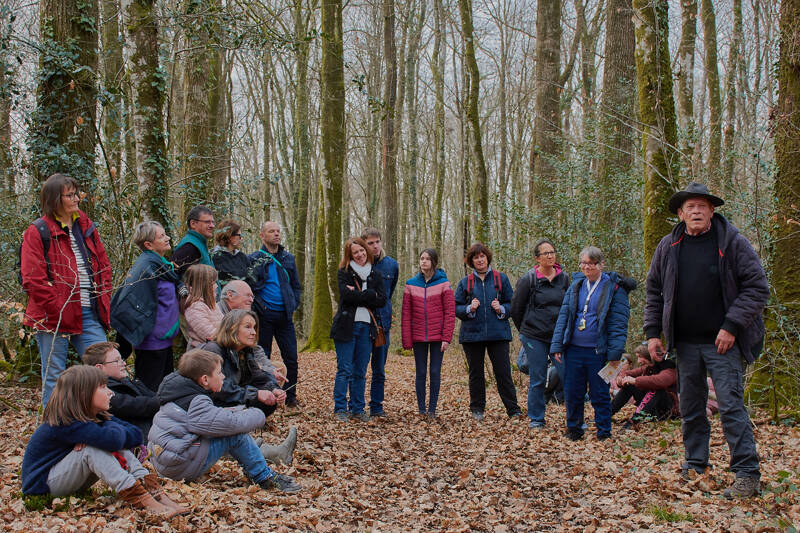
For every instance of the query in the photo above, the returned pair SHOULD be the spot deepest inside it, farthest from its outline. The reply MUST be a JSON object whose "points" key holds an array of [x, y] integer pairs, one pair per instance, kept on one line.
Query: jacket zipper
{"points": [[425, 309], [485, 312]]}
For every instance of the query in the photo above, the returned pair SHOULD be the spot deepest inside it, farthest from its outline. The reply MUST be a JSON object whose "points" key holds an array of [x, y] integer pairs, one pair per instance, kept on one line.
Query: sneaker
{"points": [[342, 416], [361, 417], [743, 487], [280, 482], [536, 425], [574, 435], [477, 415]]}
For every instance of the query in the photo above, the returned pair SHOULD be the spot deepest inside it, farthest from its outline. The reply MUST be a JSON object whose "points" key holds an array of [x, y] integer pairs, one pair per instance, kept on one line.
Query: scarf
{"points": [[362, 314]]}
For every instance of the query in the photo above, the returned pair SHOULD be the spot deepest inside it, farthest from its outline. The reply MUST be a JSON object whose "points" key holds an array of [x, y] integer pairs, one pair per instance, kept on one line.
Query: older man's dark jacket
{"points": [[744, 286]]}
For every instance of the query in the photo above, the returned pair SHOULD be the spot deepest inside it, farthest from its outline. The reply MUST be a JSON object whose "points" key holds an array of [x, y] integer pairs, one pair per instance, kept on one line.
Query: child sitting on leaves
{"points": [[190, 434], [79, 442]]}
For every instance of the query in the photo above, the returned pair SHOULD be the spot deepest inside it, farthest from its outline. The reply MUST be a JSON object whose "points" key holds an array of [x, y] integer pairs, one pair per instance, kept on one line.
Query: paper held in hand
{"points": [[610, 372]]}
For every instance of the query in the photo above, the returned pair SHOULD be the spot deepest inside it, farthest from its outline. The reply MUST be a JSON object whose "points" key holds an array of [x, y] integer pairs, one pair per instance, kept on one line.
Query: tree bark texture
{"points": [[113, 74], [437, 67], [7, 171], [735, 67], [321, 307], [685, 78], [714, 103], [389, 146]]}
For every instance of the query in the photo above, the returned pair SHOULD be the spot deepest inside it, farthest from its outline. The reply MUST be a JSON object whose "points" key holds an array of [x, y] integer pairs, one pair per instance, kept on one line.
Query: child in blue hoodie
{"points": [[79, 442]]}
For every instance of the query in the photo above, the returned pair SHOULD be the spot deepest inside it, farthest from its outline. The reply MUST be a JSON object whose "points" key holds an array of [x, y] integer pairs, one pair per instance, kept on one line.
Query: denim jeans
{"points": [[421, 361], [352, 359], [81, 469], [726, 371], [274, 324], [378, 382], [581, 366], [244, 449], [53, 348], [538, 354]]}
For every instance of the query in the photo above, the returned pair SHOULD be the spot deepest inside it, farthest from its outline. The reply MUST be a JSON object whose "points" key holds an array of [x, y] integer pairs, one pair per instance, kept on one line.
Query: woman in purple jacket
{"points": [[428, 319]]}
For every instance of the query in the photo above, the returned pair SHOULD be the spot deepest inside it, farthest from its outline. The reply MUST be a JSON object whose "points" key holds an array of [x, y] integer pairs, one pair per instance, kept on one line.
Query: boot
{"points": [[153, 486], [138, 497], [281, 454]]}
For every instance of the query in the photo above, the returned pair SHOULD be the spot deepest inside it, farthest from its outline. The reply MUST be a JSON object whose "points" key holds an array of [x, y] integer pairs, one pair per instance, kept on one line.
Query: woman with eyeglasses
{"points": [[66, 273], [591, 329], [231, 263], [534, 310]]}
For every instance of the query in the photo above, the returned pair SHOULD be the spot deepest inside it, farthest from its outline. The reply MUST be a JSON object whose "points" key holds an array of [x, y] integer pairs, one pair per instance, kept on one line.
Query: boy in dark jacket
{"points": [[132, 401], [190, 433]]}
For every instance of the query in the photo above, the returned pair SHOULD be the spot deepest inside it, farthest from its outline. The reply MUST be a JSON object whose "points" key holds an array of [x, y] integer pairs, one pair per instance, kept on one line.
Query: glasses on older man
{"points": [[587, 264]]}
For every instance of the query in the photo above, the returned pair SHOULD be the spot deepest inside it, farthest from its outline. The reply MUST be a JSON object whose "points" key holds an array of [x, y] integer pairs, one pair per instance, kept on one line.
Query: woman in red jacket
{"points": [[652, 387], [429, 315], [67, 275]]}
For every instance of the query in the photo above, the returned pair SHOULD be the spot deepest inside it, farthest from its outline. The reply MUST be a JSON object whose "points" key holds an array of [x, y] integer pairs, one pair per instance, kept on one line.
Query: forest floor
{"points": [[404, 473]]}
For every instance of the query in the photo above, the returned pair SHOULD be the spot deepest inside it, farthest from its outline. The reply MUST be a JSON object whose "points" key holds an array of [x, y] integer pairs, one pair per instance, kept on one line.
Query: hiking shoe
{"points": [[687, 476], [361, 417], [743, 487], [536, 425], [515, 414], [379, 414], [574, 435], [342, 416], [603, 436], [477, 415], [281, 482], [432, 415]]}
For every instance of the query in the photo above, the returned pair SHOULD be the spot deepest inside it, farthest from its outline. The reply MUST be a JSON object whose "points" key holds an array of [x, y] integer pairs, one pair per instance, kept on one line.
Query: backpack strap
{"points": [[44, 234], [532, 286], [470, 284]]}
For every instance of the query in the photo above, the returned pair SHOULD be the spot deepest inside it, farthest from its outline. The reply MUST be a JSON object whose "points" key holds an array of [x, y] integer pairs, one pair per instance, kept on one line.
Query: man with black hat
{"points": [[706, 290]]}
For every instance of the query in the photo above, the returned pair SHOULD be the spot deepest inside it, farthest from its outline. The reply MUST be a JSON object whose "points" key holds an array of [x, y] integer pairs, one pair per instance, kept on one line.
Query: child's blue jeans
{"points": [[243, 448]]}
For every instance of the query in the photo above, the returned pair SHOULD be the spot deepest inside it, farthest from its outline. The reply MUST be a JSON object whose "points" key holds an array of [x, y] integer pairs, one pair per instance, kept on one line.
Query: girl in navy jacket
{"points": [[80, 442]]}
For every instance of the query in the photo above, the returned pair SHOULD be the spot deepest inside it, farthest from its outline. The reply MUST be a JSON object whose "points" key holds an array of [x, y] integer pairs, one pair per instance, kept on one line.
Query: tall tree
{"points": [[685, 78], [714, 103], [481, 190], [389, 151], [321, 307], [148, 83], [657, 118], [113, 92], [735, 67], [64, 134], [7, 75], [437, 67]]}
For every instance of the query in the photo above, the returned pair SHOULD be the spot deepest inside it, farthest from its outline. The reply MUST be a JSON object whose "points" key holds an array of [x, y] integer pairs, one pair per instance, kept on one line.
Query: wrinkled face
{"points": [[70, 199], [160, 243], [247, 334], [101, 399], [216, 379], [114, 365], [242, 297], [204, 225], [374, 245], [271, 234], [480, 262], [590, 269], [696, 213], [546, 256], [359, 254], [425, 263]]}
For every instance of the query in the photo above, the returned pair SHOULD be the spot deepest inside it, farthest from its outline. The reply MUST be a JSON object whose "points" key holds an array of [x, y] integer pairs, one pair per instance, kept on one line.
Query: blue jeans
{"points": [[581, 366], [538, 354], [243, 448], [421, 362], [274, 324], [376, 388], [53, 348], [726, 371], [352, 359]]}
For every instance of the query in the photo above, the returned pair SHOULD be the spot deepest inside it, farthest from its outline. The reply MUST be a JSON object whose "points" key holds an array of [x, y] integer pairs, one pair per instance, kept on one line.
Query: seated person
{"points": [[132, 401], [190, 433], [651, 385]]}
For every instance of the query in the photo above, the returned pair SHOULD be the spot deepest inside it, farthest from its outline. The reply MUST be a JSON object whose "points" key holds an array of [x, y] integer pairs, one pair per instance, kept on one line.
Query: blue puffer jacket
{"points": [[484, 325], [291, 290], [389, 270], [613, 310]]}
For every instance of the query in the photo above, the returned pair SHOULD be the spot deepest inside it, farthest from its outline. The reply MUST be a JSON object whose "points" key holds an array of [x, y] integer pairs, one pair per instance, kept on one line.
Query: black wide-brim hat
{"points": [[693, 190]]}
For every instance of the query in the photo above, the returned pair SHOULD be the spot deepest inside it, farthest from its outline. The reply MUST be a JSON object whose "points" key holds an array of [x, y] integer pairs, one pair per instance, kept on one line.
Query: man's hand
{"points": [[266, 397], [497, 307], [557, 357], [724, 341], [280, 396], [656, 349], [80, 446]]}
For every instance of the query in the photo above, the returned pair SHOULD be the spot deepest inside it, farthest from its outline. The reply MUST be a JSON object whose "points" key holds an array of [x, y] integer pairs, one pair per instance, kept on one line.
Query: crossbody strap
{"points": [[355, 278]]}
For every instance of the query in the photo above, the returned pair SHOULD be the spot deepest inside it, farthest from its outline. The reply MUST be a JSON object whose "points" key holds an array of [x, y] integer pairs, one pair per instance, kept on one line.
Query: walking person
{"points": [[428, 319], [66, 273], [706, 291], [591, 329], [389, 271], [534, 310], [483, 302], [355, 325]]}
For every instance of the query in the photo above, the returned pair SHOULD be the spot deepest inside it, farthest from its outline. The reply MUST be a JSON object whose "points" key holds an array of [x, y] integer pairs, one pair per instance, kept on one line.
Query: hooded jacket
{"points": [[288, 279], [187, 421], [55, 305], [429, 310], [536, 303], [133, 402], [613, 310], [661, 375], [744, 287]]}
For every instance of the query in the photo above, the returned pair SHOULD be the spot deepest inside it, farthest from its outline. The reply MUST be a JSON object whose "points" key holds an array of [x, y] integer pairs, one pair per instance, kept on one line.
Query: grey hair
{"points": [[227, 290], [592, 253], [145, 232]]}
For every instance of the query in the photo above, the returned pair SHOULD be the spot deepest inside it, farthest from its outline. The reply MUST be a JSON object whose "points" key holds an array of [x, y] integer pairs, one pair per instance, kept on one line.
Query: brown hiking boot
{"points": [[153, 486], [743, 487], [138, 497]]}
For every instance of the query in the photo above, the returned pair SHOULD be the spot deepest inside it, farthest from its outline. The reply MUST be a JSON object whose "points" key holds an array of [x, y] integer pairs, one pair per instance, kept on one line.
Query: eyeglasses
{"points": [[236, 234], [587, 264], [548, 254], [75, 195], [119, 362], [208, 221]]}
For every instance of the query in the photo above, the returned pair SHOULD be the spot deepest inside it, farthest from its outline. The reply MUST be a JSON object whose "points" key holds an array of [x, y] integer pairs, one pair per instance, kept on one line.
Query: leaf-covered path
{"points": [[404, 473]]}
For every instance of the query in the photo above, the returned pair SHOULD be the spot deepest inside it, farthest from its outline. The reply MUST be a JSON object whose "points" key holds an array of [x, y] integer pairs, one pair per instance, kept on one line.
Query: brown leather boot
{"points": [[138, 497], [153, 486]]}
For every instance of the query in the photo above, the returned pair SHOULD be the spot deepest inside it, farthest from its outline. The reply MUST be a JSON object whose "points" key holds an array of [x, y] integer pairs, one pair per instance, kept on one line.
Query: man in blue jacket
{"points": [[277, 290], [706, 291], [389, 271]]}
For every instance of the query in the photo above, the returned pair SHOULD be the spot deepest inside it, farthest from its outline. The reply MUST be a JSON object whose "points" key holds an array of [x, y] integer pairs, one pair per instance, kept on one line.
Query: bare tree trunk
{"points": [[266, 127], [685, 77], [714, 105], [7, 72], [734, 69], [389, 150], [113, 72], [437, 66]]}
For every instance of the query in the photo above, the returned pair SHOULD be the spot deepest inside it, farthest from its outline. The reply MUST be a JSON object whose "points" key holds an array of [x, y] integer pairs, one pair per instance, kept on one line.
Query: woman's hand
{"points": [[445, 344], [497, 307], [350, 287], [557, 357], [280, 396], [474, 305], [80, 446], [266, 397], [280, 377]]}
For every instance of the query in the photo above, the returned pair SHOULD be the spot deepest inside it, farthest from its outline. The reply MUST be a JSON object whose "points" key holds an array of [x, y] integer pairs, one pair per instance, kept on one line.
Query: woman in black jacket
{"points": [[361, 293], [231, 263], [534, 309]]}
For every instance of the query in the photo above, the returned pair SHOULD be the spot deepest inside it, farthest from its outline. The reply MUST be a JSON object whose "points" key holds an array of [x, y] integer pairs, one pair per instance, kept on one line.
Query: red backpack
{"points": [[498, 284]]}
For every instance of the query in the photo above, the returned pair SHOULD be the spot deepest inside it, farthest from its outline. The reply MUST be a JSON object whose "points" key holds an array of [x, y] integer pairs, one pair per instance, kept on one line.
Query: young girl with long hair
{"points": [[79, 442], [202, 314]]}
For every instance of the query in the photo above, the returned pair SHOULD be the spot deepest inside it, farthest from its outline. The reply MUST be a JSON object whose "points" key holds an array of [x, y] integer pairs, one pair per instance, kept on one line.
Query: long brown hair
{"points": [[348, 252], [201, 282], [228, 332], [71, 400]]}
